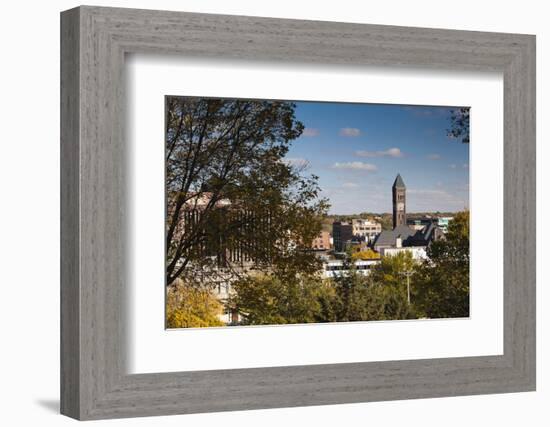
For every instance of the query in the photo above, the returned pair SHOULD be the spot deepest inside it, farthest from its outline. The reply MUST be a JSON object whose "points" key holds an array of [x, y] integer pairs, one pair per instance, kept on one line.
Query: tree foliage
{"points": [[191, 307], [349, 296], [365, 255], [353, 299], [225, 160], [443, 281], [390, 285], [267, 299], [460, 124], [439, 288]]}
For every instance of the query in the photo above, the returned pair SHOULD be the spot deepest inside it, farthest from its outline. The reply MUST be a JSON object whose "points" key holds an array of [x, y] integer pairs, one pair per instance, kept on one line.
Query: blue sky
{"points": [[358, 149]]}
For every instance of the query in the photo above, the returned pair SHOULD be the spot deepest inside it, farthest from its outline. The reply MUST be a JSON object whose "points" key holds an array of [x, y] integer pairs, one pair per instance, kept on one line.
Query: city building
{"points": [[337, 267], [418, 252], [404, 236], [211, 258], [356, 244], [207, 233], [415, 238], [443, 223], [366, 228], [341, 233], [399, 202], [321, 242], [420, 223]]}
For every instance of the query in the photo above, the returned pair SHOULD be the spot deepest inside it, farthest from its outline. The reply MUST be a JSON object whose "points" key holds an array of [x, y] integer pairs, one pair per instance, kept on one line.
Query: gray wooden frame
{"points": [[94, 383]]}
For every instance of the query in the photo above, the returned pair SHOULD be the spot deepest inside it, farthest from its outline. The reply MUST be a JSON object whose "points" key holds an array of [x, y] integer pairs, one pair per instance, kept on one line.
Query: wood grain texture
{"points": [[94, 267], [70, 220]]}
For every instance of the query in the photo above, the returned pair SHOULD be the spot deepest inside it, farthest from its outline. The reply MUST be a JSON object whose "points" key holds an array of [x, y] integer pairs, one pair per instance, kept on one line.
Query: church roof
{"points": [[387, 237], [398, 183], [409, 237]]}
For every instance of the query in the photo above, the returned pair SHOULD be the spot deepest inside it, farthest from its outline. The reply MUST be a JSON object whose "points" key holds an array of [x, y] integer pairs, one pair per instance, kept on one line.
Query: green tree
{"points": [[443, 281], [379, 296], [351, 300], [389, 286], [349, 296], [225, 161], [267, 299]]}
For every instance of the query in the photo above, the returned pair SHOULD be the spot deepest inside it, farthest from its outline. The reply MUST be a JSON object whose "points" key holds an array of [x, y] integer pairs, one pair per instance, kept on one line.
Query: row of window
{"points": [[343, 268]]}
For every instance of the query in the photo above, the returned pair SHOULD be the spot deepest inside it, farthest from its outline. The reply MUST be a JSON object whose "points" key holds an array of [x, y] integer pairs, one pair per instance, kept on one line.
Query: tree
{"points": [[267, 299], [349, 296], [443, 281], [365, 255], [351, 301], [229, 188], [460, 124], [191, 307], [389, 285]]}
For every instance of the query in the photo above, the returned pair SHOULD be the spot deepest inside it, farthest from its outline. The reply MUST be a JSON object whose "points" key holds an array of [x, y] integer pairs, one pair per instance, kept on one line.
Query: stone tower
{"points": [[399, 202]]}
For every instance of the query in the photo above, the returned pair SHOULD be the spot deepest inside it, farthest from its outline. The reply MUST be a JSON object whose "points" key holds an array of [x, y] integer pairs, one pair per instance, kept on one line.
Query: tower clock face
{"points": [[400, 206]]}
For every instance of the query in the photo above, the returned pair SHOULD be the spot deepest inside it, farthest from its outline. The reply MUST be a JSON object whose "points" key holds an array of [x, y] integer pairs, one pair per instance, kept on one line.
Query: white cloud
{"points": [[355, 166], [434, 156], [310, 132], [350, 185], [350, 132], [465, 165], [452, 166], [390, 152]]}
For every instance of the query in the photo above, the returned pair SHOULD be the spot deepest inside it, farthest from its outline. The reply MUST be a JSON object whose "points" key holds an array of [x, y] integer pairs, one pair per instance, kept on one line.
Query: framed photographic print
{"points": [[296, 212], [275, 212]]}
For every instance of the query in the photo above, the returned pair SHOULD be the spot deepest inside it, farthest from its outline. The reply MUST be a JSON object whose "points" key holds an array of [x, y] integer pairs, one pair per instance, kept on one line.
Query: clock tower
{"points": [[399, 202]]}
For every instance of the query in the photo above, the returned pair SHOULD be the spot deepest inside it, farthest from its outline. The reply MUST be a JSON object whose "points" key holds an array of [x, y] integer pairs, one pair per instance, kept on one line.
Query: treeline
{"points": [[439, 288]]}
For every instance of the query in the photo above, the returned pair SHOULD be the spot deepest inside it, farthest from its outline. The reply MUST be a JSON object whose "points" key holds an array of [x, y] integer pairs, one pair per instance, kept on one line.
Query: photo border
{"points": [[94, 266]]}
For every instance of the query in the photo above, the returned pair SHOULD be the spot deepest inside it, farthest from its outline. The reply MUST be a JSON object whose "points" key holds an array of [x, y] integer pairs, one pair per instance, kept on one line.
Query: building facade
{"points": [[341, 233], [366, 228], [321, 242], [356, 244], [338, 268], [418, 252], [443, 223], [420, 223]]}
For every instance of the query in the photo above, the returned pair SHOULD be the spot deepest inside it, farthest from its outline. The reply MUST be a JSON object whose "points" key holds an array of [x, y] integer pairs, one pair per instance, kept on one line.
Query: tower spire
{"points": [[399, 202], [399, 183]]}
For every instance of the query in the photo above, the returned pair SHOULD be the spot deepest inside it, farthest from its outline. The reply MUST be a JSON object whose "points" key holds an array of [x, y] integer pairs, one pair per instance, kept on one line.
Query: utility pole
{"points": [[408, 274]]}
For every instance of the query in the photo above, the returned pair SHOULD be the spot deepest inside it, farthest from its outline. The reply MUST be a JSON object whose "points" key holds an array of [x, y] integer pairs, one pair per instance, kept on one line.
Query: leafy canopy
{"points": [[443, 282], [190, 307], [225, 160]]}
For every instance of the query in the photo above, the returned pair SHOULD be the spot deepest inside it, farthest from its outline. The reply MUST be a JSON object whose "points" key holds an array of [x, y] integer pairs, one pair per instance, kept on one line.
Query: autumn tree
{"points": [[365, 255], [191, 307], [225, 164], [443, 282]]}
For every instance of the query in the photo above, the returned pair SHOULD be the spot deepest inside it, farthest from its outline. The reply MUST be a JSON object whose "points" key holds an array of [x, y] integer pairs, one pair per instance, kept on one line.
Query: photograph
{"points": [[296, 212]]}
